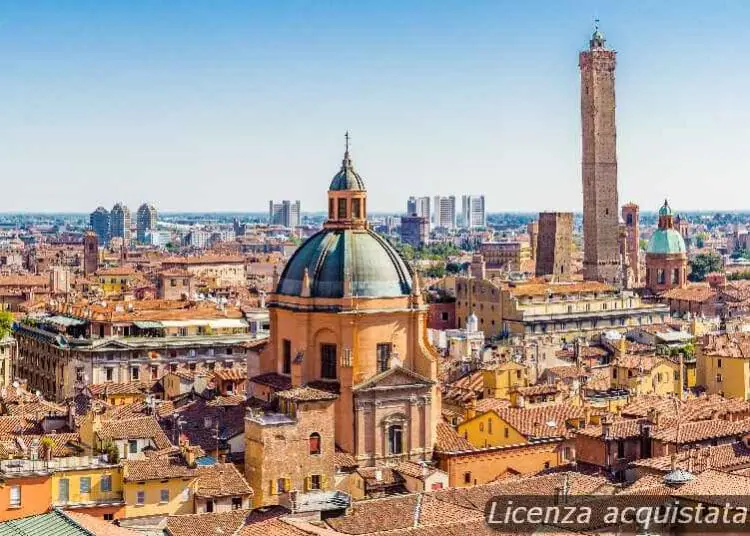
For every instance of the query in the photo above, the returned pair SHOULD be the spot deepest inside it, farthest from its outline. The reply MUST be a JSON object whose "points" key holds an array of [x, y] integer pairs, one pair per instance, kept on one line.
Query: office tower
{"points": [[473, 211], [419, 206], [119, 222], [601, 261], [445, 212], [285, 213], [99, 222], [415, 230], [145, 221], [554, 245]]}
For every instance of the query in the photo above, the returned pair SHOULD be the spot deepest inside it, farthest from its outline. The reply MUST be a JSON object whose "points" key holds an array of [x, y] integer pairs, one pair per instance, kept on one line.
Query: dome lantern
{"points": [[347, 196]]}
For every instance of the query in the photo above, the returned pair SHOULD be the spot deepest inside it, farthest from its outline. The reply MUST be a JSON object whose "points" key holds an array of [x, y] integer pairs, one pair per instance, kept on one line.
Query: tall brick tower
{"points": [[554, 243], [601, 261], [630, 215], [90, 253]]}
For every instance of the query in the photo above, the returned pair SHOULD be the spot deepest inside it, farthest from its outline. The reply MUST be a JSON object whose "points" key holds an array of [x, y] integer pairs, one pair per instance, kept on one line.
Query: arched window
{"points": [[328, 361], [314, 443]]}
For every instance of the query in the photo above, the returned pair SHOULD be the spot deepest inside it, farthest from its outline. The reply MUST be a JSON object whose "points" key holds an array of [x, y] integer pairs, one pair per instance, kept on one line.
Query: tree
{"points": [[703, 264], [453, 267], [436, 270], [6, 324], [643, 244]]}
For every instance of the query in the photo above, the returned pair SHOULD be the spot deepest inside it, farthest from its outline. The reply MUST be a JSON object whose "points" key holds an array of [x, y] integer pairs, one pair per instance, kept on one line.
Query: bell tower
{"points": [[601, 261]]}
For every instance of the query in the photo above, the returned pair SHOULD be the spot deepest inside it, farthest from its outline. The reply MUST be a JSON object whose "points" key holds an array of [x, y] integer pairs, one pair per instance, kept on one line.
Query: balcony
{"points": [[90, 500], [24, 467], [315, 501]]}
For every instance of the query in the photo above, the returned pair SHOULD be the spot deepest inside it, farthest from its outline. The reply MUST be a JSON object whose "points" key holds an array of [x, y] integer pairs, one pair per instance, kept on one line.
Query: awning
{"points": [[148, 324], [64, 321]]}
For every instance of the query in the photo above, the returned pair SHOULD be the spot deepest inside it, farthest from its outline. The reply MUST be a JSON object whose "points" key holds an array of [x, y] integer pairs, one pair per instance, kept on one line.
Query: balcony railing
{"points": [[23, 466]]}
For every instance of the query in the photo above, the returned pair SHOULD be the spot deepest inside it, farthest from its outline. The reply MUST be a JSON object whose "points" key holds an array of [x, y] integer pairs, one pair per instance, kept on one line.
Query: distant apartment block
{"points": [[419, 206], [415, 230], [285, 213], [445, 212], [119, 222], [145, 221], [99, 222], [473, 211]]}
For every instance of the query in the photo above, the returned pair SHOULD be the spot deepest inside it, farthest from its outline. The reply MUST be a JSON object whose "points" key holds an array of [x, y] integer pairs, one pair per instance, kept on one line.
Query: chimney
{"points": [[691, 460], [72, 415], [673, 461], [682, 377], [378, 475], [188, 453], [471, 409], [606, 426]]}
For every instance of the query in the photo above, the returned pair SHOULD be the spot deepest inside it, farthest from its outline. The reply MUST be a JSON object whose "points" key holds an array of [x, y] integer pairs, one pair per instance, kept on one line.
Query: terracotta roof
{"points": [[487, 404], [270, 527], [157, 468], [380, 476], [729, 345], [343, 459], [235, 374], [135, 428], [694, 293], [98, 526], [692, 409], [637, 362], [725, 457], [221, 480], [204, 259], [306, 394], [712, 481], [414, 469], [17, 425], [448, 439], [116, 270], [692, 432], [226, 523], [542, 422], [538, 390], [273, 380], [120, 388], [619, 429], [543, 289], [566, 372]]}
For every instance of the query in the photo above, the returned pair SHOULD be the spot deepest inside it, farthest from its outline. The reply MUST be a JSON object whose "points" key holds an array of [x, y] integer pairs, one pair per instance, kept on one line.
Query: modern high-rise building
{"points": [[99, 222], [285, 213], [419, 206], [119, 222], [554, 245], [415, 230], [473, 211], [145, 221], [445, 212], [601, 249]]}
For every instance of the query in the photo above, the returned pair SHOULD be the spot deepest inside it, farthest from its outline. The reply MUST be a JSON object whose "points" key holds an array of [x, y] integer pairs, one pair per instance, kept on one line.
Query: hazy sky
{"points": [[222, 105]]}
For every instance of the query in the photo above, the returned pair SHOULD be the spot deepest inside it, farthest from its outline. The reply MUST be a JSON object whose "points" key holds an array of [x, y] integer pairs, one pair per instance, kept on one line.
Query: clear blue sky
{"points": [[222, 105]]}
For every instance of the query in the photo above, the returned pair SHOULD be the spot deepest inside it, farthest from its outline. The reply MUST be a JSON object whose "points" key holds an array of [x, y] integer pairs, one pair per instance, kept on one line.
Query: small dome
{"points": [[665, 210], [347, 178], [360, 256], [666, 242], [677, 477]]}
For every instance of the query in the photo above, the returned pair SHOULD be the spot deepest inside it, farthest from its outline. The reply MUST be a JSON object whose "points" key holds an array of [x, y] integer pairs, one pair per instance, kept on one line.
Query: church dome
{"points": [[347, 178], [362, 258], [666, 242], [665, 210]]}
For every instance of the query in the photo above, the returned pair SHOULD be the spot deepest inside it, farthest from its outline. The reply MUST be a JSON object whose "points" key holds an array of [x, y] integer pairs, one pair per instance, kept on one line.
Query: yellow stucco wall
{"points": [[153, 505], [490, 430], [96, 494]]}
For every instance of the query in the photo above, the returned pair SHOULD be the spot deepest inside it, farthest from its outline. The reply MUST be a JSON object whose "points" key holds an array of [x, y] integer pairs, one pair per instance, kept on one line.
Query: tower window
{"points": [[315, 443], [287, 351], [660, 276], [328, 361], [342, 209], [676, 276], [384, 355], [330, 208], [356, 209]]}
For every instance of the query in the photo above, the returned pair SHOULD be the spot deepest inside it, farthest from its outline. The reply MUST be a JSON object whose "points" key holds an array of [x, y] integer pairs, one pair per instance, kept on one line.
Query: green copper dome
{"points": [[347, 178], [666, 242], [360, 256]]}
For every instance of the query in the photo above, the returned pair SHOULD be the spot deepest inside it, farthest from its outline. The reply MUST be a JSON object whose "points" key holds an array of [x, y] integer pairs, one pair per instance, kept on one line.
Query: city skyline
{"points": [[98, 112]]}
